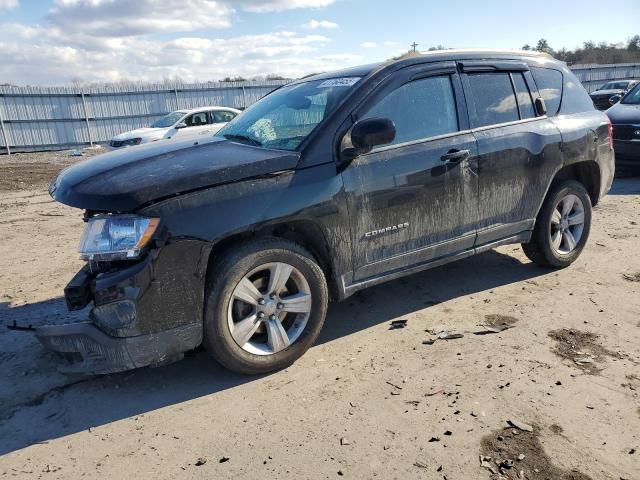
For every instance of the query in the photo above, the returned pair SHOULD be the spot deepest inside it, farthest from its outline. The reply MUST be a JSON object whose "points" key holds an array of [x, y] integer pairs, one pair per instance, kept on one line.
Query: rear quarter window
{"points": [[575, 98], [549, 83]]}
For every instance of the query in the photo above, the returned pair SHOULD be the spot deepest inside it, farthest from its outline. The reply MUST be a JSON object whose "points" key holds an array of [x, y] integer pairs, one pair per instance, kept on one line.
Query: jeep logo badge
{"points": [[637, 133]]}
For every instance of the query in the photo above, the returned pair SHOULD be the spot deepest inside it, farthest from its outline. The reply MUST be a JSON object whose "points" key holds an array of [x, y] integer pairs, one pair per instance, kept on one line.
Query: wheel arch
{"points": [[586, 172], [305, 233]]}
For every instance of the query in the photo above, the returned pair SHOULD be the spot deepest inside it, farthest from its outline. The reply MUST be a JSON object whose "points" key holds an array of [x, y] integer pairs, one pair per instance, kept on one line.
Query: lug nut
{"points": [[261, 301], [273, 296], [272, 317], [260, 314], [280, 306]]}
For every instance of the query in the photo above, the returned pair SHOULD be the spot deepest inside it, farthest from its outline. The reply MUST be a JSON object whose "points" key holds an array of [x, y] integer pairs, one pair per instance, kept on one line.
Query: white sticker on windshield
{"points": [[339, 82]]}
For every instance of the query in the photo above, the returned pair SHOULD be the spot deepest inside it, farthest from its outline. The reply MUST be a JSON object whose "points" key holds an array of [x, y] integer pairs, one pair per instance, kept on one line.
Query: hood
{"points": [[141, 133], [622, 113], [608, 92], [124, 180]]}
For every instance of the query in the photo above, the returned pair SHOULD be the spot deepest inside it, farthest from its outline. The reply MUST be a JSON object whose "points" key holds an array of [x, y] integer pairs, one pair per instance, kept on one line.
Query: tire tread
{"points": [[214, 339]]}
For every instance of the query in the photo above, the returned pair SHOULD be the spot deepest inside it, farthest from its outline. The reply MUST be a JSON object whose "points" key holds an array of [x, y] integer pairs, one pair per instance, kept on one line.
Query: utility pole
{"points": [[414, 45], [86, 118]]}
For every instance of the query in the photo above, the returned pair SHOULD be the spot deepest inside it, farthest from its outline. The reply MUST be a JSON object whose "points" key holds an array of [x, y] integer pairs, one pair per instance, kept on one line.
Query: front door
{"points": [[415, 200], [196, 124]]}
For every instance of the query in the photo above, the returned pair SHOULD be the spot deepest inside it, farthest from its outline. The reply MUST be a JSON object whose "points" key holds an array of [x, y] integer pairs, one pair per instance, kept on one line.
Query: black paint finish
{"points": [[428, 201], [123, 180], [625, 117]]}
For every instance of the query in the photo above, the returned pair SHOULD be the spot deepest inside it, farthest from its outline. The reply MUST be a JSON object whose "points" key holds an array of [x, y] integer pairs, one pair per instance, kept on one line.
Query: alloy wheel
{"points": [[567, 224], [269, 308]]}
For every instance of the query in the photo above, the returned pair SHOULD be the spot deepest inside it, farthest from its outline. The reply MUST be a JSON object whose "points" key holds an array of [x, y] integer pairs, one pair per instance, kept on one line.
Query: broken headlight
{"points": [[116, 237]]}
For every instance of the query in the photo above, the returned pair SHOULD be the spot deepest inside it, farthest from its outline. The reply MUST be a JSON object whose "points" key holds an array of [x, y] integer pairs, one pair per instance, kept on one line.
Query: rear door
{"points": [[416, 199], [518, 151]]}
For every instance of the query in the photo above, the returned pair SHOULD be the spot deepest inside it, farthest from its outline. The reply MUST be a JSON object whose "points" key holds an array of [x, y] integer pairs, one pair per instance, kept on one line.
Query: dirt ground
{"points": [[555, 353]]}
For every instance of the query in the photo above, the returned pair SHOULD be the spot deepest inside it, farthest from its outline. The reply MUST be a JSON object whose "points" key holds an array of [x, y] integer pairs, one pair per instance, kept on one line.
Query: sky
{"points": [[58, 42]]}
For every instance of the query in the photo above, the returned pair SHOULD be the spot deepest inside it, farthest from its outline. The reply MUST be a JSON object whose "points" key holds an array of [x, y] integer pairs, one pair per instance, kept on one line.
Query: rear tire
{"points": [[256, 320], [562, 226]]}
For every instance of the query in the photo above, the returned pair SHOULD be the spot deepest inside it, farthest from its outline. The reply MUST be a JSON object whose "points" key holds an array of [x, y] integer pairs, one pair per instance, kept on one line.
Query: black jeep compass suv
{"points": [[326, 186]]}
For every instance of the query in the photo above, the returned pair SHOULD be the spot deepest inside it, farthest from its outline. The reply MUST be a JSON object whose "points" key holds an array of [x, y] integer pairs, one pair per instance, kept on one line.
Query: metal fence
{"points": [[593, 76], [56, 118]]}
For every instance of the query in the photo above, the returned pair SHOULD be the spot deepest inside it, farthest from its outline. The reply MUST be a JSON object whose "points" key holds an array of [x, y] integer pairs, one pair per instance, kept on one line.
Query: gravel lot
{"points": [[367, 401]]}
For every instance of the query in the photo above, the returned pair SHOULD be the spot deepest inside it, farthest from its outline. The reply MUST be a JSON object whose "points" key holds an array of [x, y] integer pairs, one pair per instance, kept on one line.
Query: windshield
{"points": [[284, 118], [168, 120], [615, 86], [633, 97]]}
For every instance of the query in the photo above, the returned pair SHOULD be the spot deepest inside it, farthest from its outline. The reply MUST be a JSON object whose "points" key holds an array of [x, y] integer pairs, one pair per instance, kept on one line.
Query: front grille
{"points": [[116, 144], [601, 102], [626, 132]]}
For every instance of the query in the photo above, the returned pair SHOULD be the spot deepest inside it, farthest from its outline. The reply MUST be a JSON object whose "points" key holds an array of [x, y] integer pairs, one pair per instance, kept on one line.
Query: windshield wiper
{"points": [[243, 138]]}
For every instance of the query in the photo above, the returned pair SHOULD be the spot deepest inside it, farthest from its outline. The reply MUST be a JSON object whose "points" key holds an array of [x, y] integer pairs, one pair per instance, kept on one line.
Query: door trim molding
{"points": [[348, 290]]}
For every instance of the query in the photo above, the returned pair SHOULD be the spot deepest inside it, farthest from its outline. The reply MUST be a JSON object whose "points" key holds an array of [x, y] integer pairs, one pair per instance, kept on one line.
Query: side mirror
{"points": [[615, 99], [368, 133], [180, 125], [541, 107]]}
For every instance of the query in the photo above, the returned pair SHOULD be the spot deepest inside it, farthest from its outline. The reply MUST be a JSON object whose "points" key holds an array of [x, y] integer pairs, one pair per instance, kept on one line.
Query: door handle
{"points": [[455, 156]]}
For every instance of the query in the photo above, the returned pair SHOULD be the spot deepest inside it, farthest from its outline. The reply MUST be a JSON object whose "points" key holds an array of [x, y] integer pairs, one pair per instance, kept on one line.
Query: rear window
{"points": [[549, 84], [494, 98], [222, 116], [615, 86]]}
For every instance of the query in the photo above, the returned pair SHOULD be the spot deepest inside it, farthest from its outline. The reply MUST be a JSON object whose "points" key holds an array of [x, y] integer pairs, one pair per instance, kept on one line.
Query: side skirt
{"points": [[348, 290]]}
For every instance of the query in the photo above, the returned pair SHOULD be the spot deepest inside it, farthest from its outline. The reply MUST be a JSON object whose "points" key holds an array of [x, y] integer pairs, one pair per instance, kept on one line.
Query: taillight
{"points": [[610, 135]]}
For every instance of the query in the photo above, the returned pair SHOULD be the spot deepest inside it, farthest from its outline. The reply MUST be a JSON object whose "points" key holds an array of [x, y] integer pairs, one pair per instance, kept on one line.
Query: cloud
{"points": [[148, 40], [368, 45], [8, 4], [120, 18], [41, 55], [281, 5], [315, 24]]}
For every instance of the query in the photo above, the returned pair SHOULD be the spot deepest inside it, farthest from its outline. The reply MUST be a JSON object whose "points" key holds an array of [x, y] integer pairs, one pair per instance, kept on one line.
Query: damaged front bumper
{"points": [[143, 314], [89, 350]]}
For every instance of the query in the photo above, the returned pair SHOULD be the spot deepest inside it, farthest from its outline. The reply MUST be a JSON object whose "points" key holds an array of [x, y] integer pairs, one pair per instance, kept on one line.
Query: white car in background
{"points": [[181, 124]]}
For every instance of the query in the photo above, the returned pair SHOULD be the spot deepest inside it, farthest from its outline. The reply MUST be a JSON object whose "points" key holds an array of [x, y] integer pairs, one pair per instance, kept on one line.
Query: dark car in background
{"points": [[329, 185], [603, 98], [625, 119]]}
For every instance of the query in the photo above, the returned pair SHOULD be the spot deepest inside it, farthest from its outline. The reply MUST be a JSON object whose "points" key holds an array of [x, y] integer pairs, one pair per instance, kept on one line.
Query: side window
{"points": [[222, 116], [420, 109], [575, 98], [494, 98], [549, 84], [525, 104], [196, 119]]}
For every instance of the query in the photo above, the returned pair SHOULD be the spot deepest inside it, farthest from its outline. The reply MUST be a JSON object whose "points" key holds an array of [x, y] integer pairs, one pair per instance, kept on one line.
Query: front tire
{"points": [[266, 302], [562, 227]]}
